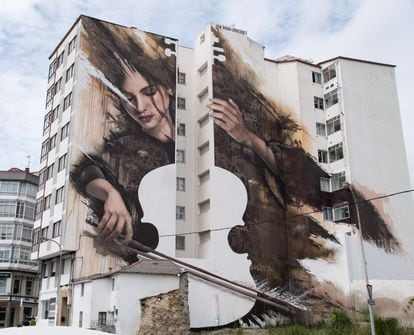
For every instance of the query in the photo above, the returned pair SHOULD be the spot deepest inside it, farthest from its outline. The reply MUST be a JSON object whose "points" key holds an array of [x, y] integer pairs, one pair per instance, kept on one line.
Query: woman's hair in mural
{"points": [[111, 47], [277, 235]]}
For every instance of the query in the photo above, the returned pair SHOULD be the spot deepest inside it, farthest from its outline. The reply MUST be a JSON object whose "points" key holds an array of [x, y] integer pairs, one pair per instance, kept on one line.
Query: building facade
{"points": [[245, 166], [18, 274]]}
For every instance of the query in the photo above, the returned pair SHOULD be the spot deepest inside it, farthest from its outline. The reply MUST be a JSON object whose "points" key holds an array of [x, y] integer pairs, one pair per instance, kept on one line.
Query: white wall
{"points": [[130, 288]]}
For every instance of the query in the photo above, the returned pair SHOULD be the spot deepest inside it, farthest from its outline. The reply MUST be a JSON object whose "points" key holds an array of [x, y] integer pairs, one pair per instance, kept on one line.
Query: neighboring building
{"points": [[18, 274], [286, 206], [120, 308]]}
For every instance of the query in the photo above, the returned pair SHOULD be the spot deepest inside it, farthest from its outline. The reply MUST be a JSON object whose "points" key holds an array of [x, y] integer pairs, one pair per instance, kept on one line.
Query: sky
{"points": [[376, 30]]}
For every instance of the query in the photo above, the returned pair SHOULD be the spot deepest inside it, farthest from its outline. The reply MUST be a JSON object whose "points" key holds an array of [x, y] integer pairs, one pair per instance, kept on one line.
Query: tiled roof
{"points": [[152, 267]]}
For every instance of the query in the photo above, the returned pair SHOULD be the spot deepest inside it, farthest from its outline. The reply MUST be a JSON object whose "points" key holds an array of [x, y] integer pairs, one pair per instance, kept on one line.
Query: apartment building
{"points": [[18, 274], [260, 187]]}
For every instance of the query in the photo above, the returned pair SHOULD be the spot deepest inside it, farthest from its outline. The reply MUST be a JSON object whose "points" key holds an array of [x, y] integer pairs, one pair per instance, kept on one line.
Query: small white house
{"points": [[111, 302]]}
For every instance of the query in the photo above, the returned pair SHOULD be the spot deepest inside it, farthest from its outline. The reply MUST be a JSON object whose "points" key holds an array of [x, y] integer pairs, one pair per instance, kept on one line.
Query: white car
{"points": [[52, 330]]}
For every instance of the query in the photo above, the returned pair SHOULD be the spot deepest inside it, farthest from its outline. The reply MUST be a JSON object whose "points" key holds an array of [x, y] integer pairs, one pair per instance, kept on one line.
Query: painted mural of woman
{"points": [[140, 81], [264, 148]]}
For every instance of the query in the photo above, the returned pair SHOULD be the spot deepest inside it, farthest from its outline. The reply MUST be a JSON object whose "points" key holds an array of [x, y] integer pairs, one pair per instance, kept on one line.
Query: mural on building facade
{"points": [[124, 143], [126, 127], [266, 147]]}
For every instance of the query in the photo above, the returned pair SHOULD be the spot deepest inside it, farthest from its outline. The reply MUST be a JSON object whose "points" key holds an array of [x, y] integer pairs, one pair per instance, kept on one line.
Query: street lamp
{"points": [[57, 313], [364, 260]]}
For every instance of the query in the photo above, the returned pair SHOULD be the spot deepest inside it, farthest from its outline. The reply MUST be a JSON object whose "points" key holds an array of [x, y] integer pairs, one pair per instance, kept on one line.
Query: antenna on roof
{"points": [[28, 161]]}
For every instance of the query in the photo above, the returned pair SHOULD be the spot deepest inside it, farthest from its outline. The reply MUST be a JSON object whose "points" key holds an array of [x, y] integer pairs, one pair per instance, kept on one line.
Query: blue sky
{"points": [[378, 30]]}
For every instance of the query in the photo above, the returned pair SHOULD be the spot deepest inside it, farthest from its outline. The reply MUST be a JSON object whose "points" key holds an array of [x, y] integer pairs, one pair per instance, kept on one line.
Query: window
{"points": [[72, 45], [6, 231], [327, 213], [80, 319], [27, 234], [67, 102], [50, 94], [70, 72], [82, 292], [47, 202], [180, 242], [16, 285], [316, 77], [9, 187], [56, 229], [49, 171], [113, 284], [338, 180], [180, 184], [204, 206], [204, 177], [320, 129], [39, 208], [102, 318], [62, 162], [59, 195], [59, 60], [202, 38], [3, 282], [181, 129], [331, 98], [29, 286], [324, 182], [203, 94], [318, 103], [329, 73], [203, 68], [52, 69], [36, 234], [49, 118], [202, 149], [52, 142], [203, 120], [335, 152], [5, 254], [322, 156], [44, 232], [15, 209], [180, 213], [58, 86], [49, 308], [340, 211], [44, 151], [181, 78], [181, 103], [64, 132], [333, 125], [180, 156]]}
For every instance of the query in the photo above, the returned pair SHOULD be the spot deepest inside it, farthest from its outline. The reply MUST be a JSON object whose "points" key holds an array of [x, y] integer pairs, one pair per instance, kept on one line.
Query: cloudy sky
{"points": [[377, 30]]}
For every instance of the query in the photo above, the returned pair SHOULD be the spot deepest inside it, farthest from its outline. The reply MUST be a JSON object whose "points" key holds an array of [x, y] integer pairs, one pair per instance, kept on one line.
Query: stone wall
{"points": [[166, 313]]}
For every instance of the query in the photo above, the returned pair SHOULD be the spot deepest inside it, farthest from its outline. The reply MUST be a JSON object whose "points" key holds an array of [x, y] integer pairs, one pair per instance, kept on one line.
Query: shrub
{"points": [[388, 326]]}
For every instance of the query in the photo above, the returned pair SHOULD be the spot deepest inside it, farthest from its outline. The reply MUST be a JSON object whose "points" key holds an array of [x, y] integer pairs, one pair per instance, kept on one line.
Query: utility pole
{"points": [[370, 300]]}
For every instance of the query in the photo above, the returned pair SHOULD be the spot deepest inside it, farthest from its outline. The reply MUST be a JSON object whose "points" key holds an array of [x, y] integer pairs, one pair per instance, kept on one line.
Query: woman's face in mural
{"points": [[146, 103]]}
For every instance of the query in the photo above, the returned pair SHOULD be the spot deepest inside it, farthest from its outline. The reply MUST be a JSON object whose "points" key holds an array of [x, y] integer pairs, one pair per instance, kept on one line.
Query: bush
{"points": [[388, 326]]}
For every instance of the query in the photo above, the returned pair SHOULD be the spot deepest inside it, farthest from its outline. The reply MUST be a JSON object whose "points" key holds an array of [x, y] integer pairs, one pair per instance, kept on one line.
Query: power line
{"points": [[294, 216]]}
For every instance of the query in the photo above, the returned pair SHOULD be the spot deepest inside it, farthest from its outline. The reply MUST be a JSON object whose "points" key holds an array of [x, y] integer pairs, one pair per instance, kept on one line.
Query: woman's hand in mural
{"points": [[116, 219], [227, 115]]}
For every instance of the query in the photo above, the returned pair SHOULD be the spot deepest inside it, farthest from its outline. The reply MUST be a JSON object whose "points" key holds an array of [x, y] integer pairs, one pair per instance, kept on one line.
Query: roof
{"points": [[291, 59], [144, 266], [17, 174], [355, 60], [148, 266]]}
